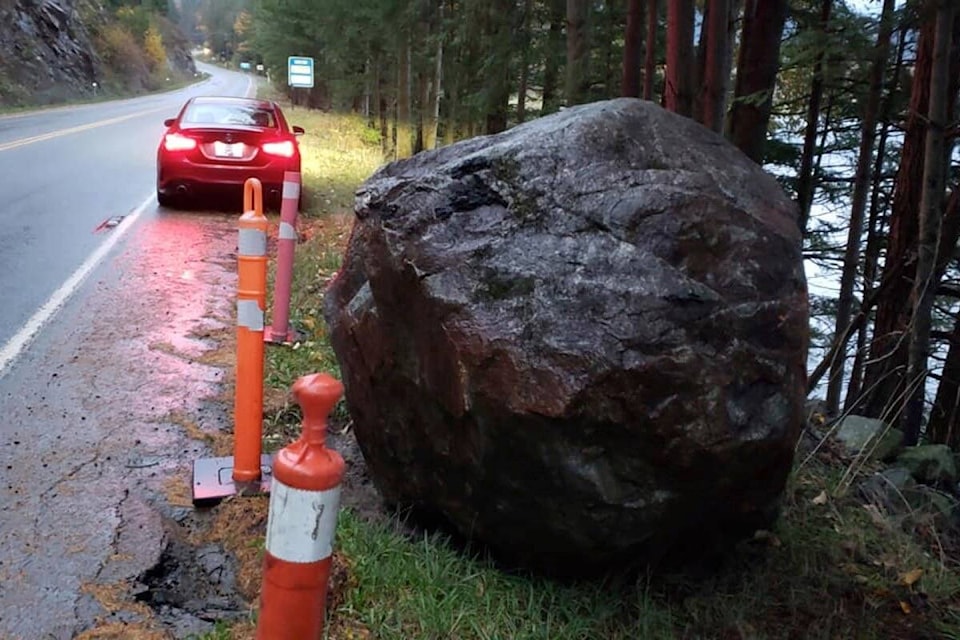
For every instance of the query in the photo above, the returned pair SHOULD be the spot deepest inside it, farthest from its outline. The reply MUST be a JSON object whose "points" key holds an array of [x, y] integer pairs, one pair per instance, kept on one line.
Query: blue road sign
{"points": [[300, 72]]}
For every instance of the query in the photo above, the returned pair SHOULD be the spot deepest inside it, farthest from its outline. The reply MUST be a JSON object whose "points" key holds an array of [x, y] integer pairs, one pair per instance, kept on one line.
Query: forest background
{"points": [[852, 105]]}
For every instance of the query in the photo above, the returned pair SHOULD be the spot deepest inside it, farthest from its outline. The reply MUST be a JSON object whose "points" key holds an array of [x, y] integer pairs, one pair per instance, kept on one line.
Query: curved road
{"points": [[64, 172], [108, 374]]}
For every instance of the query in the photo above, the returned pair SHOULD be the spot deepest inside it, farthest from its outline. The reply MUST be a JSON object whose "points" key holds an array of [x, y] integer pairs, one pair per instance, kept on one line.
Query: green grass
{"points": [[830, 569], [338, 153], [424, 588], [221, 631]]}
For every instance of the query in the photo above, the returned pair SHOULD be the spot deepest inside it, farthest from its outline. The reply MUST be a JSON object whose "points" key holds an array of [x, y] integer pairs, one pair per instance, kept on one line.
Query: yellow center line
{"points": [[84, 127]]}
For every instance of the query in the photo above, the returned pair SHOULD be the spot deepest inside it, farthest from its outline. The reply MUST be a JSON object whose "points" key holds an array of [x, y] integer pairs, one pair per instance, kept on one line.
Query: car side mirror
{"points": [[169, 122], [298, 131]]}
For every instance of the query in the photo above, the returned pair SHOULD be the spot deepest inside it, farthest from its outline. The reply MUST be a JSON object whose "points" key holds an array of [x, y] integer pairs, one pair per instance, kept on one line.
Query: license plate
{"points": [[228, 150]]}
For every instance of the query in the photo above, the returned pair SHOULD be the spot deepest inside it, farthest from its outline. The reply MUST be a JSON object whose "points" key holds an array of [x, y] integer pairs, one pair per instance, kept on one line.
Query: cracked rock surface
{"points": [[86, 444], [581, 341]]}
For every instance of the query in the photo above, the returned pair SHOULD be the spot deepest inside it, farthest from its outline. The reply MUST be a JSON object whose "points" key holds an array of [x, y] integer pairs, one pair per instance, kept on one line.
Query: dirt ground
{"points": [[209, 566]]}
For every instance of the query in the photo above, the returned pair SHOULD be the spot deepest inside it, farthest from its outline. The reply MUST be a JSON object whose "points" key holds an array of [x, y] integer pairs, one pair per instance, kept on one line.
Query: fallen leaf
{"points": [[911, 577], [905, 607], [821, 499]]}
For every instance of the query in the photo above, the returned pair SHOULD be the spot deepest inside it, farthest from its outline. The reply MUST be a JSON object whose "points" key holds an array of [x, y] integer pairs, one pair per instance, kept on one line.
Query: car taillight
{"points": [[285, 149], [177, 142]]}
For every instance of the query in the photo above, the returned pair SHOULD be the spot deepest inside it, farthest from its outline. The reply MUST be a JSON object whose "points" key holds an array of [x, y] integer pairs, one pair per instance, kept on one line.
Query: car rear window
{"points": [[229, 114]]}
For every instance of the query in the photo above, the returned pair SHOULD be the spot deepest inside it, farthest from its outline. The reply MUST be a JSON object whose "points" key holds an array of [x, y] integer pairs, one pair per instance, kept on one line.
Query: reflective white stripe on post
{"points": [[287, 232], [291, 190], [252, 243], [301, 523], [249, 315]]}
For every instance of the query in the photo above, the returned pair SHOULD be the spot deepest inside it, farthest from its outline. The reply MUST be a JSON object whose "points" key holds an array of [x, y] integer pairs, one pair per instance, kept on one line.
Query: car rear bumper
{"points": [[177, 176]]}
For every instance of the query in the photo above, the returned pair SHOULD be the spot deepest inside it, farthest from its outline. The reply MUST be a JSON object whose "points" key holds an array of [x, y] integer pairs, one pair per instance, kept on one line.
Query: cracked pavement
{"points": [[88, 451]]}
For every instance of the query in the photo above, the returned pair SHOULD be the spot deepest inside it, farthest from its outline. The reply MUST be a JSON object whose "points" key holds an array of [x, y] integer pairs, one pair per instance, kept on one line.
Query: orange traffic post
{"points": [[251, 302], [304, 504], [280, 332]]}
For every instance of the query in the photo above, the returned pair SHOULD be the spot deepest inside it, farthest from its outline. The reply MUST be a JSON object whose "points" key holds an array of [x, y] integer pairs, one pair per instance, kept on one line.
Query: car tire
{"points": [[165, 200]]}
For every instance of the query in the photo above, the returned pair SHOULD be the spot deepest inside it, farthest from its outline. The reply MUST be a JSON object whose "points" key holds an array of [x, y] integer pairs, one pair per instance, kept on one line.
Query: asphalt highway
{"points": [[102, 332], [63, 172]]}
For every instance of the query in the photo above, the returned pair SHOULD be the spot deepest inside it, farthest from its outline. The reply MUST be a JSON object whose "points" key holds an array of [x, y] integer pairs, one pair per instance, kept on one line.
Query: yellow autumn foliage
{"points": [[153, 47]]}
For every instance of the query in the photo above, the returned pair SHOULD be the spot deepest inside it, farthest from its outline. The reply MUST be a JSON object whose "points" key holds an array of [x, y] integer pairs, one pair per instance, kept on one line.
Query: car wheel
{"points": [[165, 200]]}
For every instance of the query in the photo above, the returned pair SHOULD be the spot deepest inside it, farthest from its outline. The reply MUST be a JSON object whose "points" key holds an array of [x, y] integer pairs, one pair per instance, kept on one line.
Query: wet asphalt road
{"points": [[90, 446], [63, 172]]}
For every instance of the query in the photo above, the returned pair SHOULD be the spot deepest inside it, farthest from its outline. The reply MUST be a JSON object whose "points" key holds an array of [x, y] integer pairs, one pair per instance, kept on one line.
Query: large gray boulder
{"points": [[581, 341]]}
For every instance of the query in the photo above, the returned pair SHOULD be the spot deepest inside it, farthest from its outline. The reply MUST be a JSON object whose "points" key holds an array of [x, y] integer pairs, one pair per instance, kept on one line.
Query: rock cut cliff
{"points": [[53, 50]]}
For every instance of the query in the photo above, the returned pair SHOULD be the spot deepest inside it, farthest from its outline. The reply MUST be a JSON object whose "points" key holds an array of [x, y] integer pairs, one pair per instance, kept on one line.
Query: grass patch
{"points": [[830, 570], [223, 631], [424, 588], [338, 151]]}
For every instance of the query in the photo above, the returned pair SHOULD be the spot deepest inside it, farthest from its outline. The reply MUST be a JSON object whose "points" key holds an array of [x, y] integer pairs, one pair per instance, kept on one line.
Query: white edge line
{"points": [[15, 345]]}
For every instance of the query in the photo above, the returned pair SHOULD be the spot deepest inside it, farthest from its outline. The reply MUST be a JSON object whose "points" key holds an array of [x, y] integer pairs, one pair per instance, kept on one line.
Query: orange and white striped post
{"points": [[251, 301], [279, 331], [304, 504]]}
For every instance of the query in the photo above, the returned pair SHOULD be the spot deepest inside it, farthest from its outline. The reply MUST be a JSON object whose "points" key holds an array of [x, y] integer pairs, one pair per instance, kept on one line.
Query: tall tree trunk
{"points": [[679, 90], [420, 109], [367, 107], [757, 65], [551, 63], [524, 45], [716, 72], [578, 54], [608, 41], [871, 260], [874, 225], [805, 185], [453, 80], [404, 108], [632, 46], [650, 59], [861, 189], [931, 215], [432, 106], [500, 25], [380, 104], [944, 424], [437, 93], [700, 62], [883, 378]]}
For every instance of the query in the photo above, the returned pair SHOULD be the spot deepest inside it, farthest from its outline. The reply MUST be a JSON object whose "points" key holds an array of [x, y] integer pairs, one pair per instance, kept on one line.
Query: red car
{"points": [[220, 142]]}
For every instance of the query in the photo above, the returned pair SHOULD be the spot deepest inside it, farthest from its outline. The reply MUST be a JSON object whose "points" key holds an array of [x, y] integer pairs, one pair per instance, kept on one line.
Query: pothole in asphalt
{"points": [[192, 588]]}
